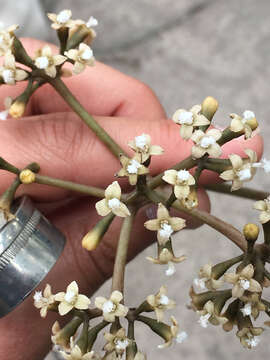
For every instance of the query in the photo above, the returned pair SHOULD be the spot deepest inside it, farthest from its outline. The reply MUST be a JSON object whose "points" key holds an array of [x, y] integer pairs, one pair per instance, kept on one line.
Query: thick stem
{"points": [[121, 253], [247, 193], [68, 185], [62, 89]]}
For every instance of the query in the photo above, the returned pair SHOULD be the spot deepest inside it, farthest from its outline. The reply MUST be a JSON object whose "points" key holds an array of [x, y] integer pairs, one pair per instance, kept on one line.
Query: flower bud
{"points": [[17, 109], [27, 176], [253, 123], [91, 240], [62, 336], [209, 107], [251, 232]]}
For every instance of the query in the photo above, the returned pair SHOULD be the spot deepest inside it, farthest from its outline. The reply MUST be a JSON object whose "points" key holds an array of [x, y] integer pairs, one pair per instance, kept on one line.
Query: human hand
{"points": [[52, 135]]}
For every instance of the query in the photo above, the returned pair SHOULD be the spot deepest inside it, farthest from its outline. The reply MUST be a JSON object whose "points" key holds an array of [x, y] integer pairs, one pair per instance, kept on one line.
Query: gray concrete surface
{"points": [[186, 50]]}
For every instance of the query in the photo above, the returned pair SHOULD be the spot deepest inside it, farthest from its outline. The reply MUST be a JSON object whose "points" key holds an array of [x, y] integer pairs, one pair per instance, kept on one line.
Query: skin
{"points": [[54, 137]]}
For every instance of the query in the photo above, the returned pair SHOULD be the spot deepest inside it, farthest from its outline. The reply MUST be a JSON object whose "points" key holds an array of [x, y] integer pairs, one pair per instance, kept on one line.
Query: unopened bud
{"points": [[91, 240], [27, 176], [251, 232], [62, 336], [17, 109], [209, 107]]}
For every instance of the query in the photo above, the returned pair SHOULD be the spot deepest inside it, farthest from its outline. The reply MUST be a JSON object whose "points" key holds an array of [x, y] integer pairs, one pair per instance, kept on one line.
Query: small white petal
{"points": [[133, 167], [171, 269], [182, 336], [246, 310], [206, 141], [203, 321], [245, 284], [244, 174], [248, 115], [164, 300], [108, 306], [141, 141], [63, 16], [122, 344], [185, 117], [114, 203], [8, 76], [37, 296], [42, 62], [183, 175]]}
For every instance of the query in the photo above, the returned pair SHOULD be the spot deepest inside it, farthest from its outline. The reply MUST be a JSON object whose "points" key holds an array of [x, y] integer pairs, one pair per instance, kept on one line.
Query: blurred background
{"points": [[185, 50]]}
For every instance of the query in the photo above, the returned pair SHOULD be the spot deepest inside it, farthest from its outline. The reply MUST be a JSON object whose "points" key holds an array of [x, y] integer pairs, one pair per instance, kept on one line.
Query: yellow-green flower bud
{"points": [[209, 107], [27, 176], [251, 232], [17, 109], [91, 240]]}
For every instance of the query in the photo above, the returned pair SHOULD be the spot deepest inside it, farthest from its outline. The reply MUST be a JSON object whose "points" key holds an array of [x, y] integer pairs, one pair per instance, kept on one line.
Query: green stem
{"points": [[68, 185], [121, 253], [64, 92], [247, 193]]}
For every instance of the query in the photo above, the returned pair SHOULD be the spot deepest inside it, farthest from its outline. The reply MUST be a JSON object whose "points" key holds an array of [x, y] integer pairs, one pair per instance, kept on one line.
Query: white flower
{"points": [[264, 207], [112, 202], [45, 60], [9, 73], [206, 143], [6, 39], [111, 307], [247, 123], [182, 180], [63, 19], [82, 57]]}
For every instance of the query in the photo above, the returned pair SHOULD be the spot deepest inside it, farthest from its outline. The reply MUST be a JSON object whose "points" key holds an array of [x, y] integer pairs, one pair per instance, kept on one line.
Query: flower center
{"points": [[165, 231], [38, 296], [244, 284], [183, 175], [122, 344], [254, 341], [185, 117], [207, 141], [114, 203], [244, 174], [92, 22], [164, 300], [42, 62], [63, 17], [204, 320], [87, 54], [8, 76], [140, 141], [246, 310], [70, 297], [200, 283], [171, 269], [133, 167], [248, 115], [108, 306]]}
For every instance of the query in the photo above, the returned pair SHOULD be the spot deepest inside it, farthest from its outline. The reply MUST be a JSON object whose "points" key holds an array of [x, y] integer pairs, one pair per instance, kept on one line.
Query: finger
{"points": [[66, 149], [101, 89]]}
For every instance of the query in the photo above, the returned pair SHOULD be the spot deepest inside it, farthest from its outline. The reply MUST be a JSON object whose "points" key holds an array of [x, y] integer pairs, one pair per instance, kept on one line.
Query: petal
{"points": [[152, 225], [60, 296], [133, 179], [236, 161], [64, 308], [156, 150], [201, 120], [46, 51], [132, 144], [59, 59], [236, 185], [162, 212], [237, 291], [116, 296], [121, 310], [110, 317], [100, 301], [73, 287], [82, 302], [186, 131], [52, 16], [216, 134], [248, 131], [122, 172], [71, 54], [196, 109], [248, 271], [102, 207], [20, 75], [260, 205], [191, 180], [181, 191], [78, 67], [231, 278], [51, 71], [197, 152], [197, 135], [170, 176], [214, 150], [175, 116], [209, 307], [227, 175], [47, 291], [121, 211], [151, 299], [236, 125], [124, 160], [113, 191], [264, 217], [43, 311], [159, 314], [76, 352], [252, 155], [177, 223], [254, 286], [9, 61]]}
